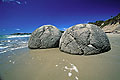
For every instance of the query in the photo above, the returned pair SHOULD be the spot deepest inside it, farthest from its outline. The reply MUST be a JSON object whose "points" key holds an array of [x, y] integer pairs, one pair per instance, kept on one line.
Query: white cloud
{"points": [[15, 1], [25, 2], [7, 0], [88, 21], [64, 29], [17, 29], [18, 2]]}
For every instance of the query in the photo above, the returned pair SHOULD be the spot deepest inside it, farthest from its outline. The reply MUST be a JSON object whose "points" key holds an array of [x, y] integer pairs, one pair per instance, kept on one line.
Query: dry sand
{"points": [[52, 64]]}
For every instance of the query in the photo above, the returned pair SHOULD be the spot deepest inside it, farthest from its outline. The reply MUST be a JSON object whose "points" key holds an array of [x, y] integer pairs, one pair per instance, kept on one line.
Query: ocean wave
{"points": [[1, 44], [18, 48], [17, 36], [13, 36], [3, 52], [3, 47], [12, 49], [13, 42]]}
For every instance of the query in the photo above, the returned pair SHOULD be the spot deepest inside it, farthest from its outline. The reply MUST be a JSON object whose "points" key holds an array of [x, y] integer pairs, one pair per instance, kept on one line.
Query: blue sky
{"points": [[27, 15]]}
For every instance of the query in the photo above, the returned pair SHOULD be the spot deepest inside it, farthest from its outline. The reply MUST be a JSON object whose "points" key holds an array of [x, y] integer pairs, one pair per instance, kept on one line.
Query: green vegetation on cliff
{"points": [[61, 31], [111, 21], [98, 23]]}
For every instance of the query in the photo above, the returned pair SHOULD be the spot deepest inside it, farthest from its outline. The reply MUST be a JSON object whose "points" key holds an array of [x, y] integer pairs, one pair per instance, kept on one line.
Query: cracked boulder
{"points": [[47, 36], [84, 39]]}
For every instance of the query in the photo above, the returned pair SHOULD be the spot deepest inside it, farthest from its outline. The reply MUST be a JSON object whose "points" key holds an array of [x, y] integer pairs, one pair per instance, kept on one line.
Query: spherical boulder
{"points": [[84, 39], [46, 36]]}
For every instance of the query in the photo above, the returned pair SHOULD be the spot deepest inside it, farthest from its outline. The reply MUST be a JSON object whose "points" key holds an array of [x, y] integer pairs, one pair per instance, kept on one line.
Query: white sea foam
{"points": [[76, 77], [73, 68], [15, 42], [24, 42], [18, 48], [1, 44], [4, 47], [8, 41], [56, 65], [13, 62], [69, 69], [64, 70], [11, 49], [10, 61], [69, 74], [16, 36], [3, 52]]}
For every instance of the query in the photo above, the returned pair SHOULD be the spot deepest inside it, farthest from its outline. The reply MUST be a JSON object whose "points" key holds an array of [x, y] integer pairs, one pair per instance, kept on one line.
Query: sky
{"points": [[27, 15]]}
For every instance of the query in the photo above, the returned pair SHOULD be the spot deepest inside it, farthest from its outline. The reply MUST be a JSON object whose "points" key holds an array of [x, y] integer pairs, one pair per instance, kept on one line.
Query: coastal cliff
{"points": [[111, 25]]}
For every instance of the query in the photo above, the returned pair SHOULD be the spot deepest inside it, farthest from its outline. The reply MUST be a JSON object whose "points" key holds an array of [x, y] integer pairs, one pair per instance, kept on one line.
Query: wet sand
{"points": [[52, 64]]}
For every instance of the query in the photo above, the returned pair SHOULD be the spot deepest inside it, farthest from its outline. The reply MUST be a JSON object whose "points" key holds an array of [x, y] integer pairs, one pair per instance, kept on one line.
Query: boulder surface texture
{"points": [[47, 36], [84, 39]]}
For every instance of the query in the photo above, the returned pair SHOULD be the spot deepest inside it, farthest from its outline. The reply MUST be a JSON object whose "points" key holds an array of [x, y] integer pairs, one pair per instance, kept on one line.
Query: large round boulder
{"points": [[84, 39], [47, 36]]}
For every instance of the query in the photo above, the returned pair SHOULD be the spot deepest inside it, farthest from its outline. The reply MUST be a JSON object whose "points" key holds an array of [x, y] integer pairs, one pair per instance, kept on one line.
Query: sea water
{"points": [[12, 42]]}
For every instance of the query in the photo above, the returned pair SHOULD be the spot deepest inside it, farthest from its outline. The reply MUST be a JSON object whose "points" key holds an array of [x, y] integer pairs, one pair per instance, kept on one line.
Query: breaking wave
{"points": [[13, 42]]}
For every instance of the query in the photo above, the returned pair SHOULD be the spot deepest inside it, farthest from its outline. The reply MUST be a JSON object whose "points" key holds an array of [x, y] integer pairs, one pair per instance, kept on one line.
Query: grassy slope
{"points": [[113, 20]]}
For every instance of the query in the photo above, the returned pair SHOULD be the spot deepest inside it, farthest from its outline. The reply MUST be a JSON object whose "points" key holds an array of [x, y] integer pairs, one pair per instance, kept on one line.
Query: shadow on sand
{"points": [[1, 78]]}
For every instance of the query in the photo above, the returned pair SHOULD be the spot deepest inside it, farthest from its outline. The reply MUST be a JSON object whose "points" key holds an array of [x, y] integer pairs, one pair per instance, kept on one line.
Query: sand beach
{"points": [[52, 64]]}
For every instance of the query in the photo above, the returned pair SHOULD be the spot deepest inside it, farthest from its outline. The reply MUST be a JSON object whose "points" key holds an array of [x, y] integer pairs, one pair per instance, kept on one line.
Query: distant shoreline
{"points": [[26, 33], [61, 31], [21, 34]]}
